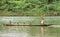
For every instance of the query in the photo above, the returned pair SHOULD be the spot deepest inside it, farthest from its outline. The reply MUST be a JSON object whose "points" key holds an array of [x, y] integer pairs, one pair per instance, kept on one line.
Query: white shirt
{"points": [[42, 21]]}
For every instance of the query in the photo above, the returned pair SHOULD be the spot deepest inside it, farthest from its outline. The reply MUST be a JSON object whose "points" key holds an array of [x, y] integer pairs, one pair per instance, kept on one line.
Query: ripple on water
{"points": [[22, 34]]}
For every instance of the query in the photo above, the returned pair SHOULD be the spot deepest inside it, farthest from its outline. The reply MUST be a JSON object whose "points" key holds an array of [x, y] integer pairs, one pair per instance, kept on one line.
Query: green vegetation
{"points": [[30, 7]]}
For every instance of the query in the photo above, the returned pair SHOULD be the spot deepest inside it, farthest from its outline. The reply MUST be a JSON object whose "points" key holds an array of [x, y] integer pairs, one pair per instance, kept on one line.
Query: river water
{"points": [[25, 31]]}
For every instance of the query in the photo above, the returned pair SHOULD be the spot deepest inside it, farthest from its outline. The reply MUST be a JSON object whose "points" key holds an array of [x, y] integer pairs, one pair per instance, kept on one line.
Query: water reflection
{"points": [[21, 34], [21, 20]]}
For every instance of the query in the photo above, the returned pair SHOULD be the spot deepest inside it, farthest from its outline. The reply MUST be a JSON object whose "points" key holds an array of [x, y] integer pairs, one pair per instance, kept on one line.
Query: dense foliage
{"points": [[30, 7]]}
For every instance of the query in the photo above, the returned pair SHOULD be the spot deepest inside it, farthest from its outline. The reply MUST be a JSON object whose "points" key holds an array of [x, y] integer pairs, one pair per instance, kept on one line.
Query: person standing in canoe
{"points": [[42, 21]]}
